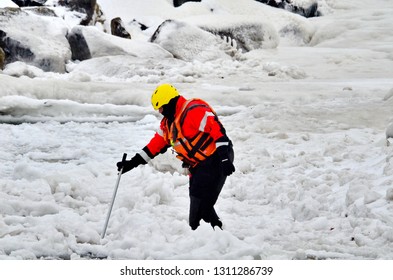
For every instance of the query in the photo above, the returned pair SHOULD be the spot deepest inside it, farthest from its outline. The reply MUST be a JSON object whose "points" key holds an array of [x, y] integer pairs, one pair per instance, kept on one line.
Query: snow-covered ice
{"points": [[309, 119]]}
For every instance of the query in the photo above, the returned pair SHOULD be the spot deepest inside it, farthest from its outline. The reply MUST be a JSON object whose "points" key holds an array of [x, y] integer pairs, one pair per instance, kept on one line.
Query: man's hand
{"points": [[130, 164], [226, 161]]}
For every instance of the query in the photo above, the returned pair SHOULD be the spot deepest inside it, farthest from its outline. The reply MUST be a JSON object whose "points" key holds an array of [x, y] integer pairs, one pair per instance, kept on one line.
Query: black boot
{"points": [[311, 11], [216, 223]]}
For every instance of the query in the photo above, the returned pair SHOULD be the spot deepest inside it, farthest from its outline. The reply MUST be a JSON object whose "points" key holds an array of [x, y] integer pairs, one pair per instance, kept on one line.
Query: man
{"points": [[193, 130]]}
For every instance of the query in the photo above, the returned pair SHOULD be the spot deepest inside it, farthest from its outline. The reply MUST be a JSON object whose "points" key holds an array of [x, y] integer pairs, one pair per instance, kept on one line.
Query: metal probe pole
{"points": [[113, 197]]}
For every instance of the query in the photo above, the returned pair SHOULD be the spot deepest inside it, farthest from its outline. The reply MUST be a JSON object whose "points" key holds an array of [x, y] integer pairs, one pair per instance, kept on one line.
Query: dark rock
{"points": [[311, 11], [178, 3], [2, 59], [273, 3], [158, 30], [141, 25], [29, 3], [14, 50], [79, 47], [88, 7], [118, 29], [82, 6]]}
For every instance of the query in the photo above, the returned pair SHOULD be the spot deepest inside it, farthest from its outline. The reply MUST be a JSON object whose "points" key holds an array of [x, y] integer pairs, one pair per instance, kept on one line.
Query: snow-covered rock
{"points": [[188, 42], [39, 40], [102, 44]]}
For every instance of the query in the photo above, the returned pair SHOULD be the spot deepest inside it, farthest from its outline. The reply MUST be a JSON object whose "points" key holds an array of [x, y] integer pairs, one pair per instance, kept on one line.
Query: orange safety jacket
{"points": [[190, 150], [193, 134]]}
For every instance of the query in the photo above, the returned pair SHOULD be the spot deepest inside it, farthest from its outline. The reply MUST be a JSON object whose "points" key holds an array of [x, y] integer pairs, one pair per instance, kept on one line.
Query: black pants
{"points": [[206, 182]]}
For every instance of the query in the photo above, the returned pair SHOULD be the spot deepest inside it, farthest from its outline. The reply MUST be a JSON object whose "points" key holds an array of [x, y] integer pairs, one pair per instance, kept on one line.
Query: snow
{"points": [[8, 3], [309, 119]]}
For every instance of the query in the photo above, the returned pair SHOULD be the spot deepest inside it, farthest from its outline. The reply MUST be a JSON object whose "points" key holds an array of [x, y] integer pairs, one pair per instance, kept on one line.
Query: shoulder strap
{"points": [[187, 108]]}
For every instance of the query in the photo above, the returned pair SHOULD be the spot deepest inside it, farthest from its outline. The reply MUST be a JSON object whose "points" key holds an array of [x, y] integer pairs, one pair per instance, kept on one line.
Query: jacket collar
{"points": [[179, 105]]}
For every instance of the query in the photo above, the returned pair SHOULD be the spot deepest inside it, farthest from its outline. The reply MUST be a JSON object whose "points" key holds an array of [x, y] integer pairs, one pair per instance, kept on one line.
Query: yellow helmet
{"points": [[162, 95]]}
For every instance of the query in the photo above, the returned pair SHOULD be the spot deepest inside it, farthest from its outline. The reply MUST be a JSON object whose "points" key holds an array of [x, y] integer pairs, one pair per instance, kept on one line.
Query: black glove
{"points": [[130, 164], [226, 160]]}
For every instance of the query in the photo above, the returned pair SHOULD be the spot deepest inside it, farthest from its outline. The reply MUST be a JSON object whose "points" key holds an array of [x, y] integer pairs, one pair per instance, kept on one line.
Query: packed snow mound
{"points": [[122, 68], [19, 109]]}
